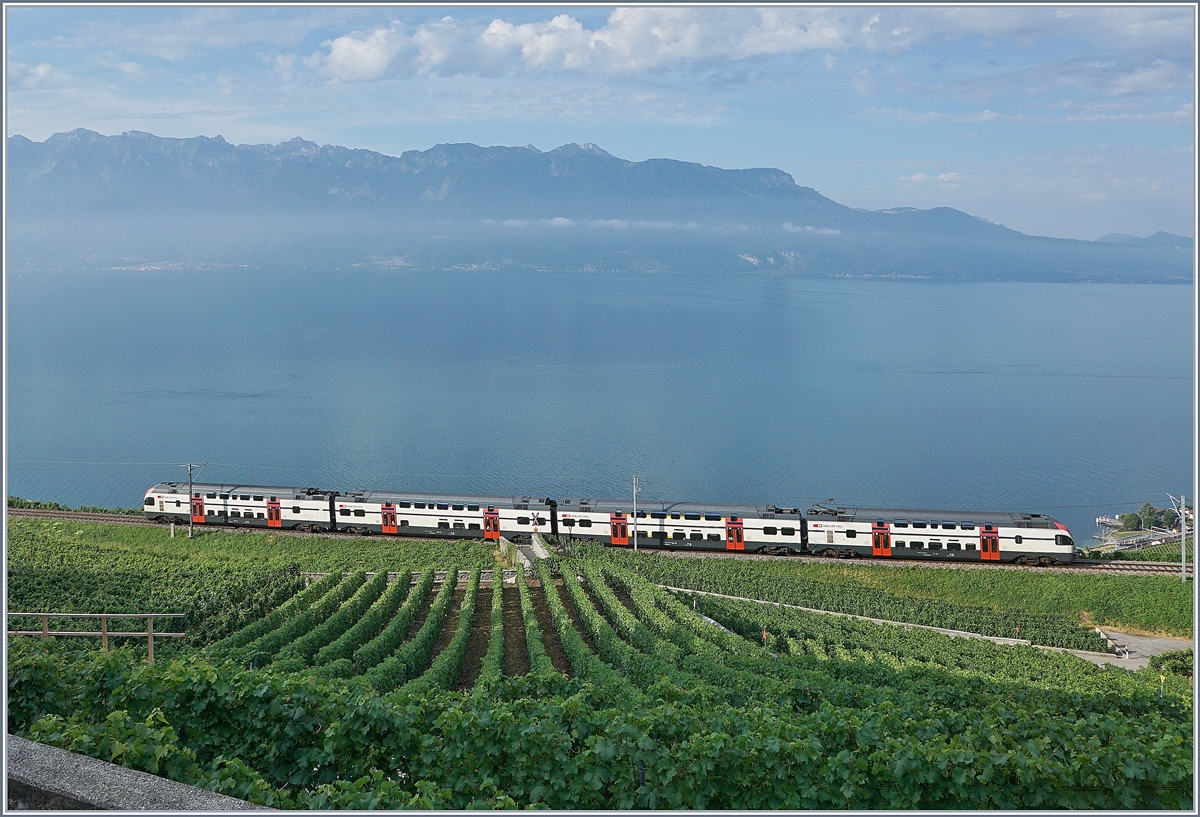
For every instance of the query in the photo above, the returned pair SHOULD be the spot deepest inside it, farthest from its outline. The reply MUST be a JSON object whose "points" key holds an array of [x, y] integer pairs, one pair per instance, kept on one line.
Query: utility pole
{"points": [[192, 499], [1182, 536], [191, 506], [635, 490]]}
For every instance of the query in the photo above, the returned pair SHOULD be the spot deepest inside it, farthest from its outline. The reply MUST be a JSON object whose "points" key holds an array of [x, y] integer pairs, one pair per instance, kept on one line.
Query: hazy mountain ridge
{"points": [[138, 196]]}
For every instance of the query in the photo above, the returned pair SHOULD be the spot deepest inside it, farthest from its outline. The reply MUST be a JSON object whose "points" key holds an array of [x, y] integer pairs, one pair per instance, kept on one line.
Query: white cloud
{"points": [[615, 223], [792, 228], [948, 177], [26, 77], [645, 39], [916, 177], [558, 222], [362, 56]]}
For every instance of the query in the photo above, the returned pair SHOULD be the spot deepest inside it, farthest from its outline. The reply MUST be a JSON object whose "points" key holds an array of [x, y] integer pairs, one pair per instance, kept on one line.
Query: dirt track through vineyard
{"points": [[477, 644], [573, 614], [549, 634], [516, 651], [415, 627], [449, 623]]}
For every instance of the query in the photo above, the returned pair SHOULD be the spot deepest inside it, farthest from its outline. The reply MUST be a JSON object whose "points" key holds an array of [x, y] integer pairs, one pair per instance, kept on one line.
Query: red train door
{"points": [[881, 539], [389, 518], [734, 534], [491, 523], [198, 509], [274, 519], [618, 529], [989, 544]]}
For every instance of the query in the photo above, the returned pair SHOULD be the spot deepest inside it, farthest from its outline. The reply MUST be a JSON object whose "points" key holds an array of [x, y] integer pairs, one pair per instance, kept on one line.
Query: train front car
{"points": [[241, 506], [939, 535]]}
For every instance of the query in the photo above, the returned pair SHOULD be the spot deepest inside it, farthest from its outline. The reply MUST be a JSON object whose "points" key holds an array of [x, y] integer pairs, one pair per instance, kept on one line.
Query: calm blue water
{"points": [[1068, 399]]}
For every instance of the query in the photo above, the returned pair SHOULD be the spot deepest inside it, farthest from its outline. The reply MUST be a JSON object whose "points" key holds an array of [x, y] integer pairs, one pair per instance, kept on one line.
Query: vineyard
{"points": [[583, 684]]}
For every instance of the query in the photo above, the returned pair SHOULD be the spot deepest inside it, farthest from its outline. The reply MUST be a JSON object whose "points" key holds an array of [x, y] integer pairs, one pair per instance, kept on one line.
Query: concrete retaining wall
{"points": [[45, 777]]}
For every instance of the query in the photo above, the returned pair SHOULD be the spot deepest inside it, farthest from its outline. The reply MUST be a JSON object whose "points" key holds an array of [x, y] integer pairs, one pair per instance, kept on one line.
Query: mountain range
{"points": [[80, 198]]}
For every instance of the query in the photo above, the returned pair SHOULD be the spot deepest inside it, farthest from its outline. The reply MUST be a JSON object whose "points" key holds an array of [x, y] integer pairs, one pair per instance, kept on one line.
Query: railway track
{"points": [[1078, 566]]}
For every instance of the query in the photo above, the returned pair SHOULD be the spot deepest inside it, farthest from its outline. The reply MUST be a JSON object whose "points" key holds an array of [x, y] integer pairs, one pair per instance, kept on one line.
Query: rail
{"points": [[103, 632]]}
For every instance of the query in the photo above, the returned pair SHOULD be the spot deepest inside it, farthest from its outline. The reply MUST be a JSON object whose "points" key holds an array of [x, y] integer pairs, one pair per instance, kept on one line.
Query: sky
{"points": [[1065, 121]]}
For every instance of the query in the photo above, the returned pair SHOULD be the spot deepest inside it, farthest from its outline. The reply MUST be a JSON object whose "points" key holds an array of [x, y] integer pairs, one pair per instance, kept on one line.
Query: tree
{"points": [[1170, 518], [1131, 521], [1149, 517]]}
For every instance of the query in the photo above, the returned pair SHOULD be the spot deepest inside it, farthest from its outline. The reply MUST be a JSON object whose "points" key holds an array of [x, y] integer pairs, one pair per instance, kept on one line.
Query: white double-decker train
{"points": [[888, 533]]}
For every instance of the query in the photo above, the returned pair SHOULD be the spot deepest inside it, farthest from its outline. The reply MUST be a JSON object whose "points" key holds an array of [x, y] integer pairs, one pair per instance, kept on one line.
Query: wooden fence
{"points": [[103, 632]]}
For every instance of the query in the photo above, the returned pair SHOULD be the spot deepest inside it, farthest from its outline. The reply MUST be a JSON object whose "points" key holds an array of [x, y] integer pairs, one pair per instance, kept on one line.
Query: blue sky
{"points": [[1053, 120]]}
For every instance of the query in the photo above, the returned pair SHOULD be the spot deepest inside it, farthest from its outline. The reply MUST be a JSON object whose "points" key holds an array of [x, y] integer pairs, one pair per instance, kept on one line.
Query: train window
{"points": [[246, 497], [643, 535], [948, 526], [658, 515], [459, 526], [359, 512], [987, 527], [458, 507], [1063, 541], [851, 533], [444, 525], [235, 513], [674, 516], [769, 531], [714, 537], [256, 499], [178, 504], [1017, 539], [970, 545], [658, 534], [224, 496], [678, 535], [472, 507], [933, 523], [935, 545], [954, 546], [258, 516], [295, 509], [211, 512], [274, 498], [404, 523], [473, 526], [898, 544], [522, 520], [585, 523], [641, 514], [787, 531], [916, 545], [344, 512], [697, 536], [918, 524], [692, 516], [221, 513], [900, 523], [149, 500], [967, 525], [570, 523], [712, 517], [418, 504], [443, 506]]}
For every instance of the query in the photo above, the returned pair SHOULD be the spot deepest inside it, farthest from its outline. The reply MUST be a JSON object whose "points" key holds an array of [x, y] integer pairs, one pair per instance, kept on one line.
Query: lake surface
{"points": [[1068, 399]]}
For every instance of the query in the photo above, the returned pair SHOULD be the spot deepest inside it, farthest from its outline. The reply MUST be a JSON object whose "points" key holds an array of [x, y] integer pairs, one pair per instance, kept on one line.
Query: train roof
{"points": [[517, 502], [815, 513]]}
